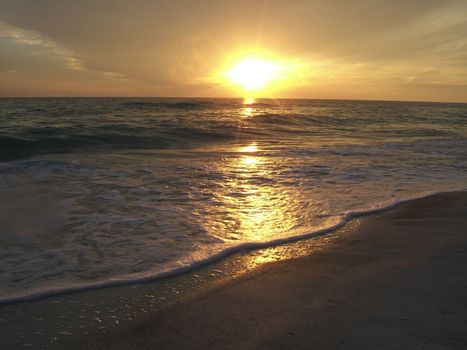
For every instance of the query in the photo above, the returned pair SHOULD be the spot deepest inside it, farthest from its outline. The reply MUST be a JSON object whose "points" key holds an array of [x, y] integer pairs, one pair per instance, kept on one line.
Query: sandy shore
{"points": [[398, 281]]}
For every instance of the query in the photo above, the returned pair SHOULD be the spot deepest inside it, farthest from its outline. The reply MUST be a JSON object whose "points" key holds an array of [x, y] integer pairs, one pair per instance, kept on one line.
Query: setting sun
{"points": [[260, 75], [253, 74]]}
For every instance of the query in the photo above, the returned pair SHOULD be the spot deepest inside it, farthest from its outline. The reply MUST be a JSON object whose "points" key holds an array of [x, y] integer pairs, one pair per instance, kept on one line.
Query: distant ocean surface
{"points": [[111, 190]]}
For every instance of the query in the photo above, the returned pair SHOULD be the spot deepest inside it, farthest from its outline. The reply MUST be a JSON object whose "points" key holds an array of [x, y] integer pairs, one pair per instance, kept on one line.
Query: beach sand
{"points": [[397, 281]]}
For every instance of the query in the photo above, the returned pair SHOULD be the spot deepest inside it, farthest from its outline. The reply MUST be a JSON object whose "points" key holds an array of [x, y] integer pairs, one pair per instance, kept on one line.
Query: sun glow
{"points": [[253, 74], [260, 75]]}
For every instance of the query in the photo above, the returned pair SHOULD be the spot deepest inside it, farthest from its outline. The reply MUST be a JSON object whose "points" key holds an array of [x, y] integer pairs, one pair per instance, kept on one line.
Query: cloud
{"points": [[32, 57], [30, 38]]}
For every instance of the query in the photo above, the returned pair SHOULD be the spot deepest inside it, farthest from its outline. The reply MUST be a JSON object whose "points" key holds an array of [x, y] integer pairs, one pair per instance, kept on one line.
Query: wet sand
{"points": [[397, 281]]}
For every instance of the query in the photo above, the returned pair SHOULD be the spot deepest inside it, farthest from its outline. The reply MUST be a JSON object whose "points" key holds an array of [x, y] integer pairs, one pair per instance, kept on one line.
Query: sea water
{"points": [[114, 190]]}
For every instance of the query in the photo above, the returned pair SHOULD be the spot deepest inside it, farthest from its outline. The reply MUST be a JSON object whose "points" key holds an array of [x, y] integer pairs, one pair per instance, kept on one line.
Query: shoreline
{"points": [[347, 217], [396, 281], [190, 310]]}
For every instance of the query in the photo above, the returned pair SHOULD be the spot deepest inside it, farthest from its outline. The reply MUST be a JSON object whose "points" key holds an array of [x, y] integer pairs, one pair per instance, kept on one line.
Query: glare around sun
{"points": [[253, 74]]}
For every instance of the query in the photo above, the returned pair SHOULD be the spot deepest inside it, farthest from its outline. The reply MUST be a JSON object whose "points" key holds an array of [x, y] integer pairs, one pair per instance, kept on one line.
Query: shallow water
{"points": [[96, 191]]}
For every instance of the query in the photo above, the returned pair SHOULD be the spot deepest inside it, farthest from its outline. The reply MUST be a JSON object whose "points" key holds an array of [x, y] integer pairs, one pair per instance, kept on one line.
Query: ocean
{"points": [[102, 191]]}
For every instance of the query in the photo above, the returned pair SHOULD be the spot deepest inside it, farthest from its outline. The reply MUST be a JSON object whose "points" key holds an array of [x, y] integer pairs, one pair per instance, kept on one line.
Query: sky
{"points": [[342, 49]]}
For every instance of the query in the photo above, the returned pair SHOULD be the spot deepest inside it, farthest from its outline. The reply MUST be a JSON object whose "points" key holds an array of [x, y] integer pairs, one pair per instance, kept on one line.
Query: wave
{"points": [[263, 105], [198, 103], [167, 104], [12, 148], [42, 126], [345, 218], [186, 134]]}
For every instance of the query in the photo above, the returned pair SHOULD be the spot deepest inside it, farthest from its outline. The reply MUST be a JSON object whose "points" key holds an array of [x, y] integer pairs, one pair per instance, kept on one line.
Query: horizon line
{"points": [[237, 98]]}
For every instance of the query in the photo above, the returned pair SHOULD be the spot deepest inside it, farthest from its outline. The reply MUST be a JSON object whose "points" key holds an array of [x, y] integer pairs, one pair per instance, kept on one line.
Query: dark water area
{"points": [[43, 126]]}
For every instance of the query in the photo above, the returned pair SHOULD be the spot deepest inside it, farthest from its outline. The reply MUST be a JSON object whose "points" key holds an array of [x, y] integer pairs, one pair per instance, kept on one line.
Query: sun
{"points": [[260, 74], [254, 74]]}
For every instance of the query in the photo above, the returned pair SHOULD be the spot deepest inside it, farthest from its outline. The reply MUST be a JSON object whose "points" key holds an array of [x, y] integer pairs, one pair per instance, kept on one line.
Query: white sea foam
{"points": [[184, 267]]}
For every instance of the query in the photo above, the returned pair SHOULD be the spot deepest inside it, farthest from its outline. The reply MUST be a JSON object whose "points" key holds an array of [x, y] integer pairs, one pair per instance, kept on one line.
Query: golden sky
{"points": [[343, 49]]}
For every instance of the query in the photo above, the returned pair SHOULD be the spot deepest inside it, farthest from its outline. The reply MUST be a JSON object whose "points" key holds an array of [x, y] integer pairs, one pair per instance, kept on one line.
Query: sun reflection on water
{"points": [[247, 112], [249, 161], [248, 193], [249, 149], [255, 206], [249, 100]]}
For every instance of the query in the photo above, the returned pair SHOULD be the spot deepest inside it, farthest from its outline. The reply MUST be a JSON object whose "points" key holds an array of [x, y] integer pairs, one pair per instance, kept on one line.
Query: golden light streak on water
{"points": [[249, 100], [247, 112], [251, 199], [249, 149]]}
